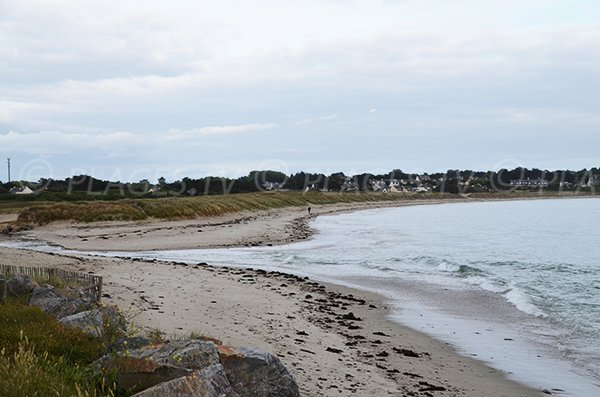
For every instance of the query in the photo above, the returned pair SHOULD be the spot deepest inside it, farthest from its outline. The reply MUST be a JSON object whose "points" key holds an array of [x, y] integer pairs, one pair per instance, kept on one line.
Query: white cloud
{"points": [[73, 74]]}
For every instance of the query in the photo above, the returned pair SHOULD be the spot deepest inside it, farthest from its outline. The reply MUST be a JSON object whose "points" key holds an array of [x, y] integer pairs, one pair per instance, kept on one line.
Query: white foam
{"points": [[523, 302]]}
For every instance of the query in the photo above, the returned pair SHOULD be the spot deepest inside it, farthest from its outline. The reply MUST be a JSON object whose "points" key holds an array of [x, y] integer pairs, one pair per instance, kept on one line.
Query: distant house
{"points": [[422, 189], [539, 182], [379, 186], [21, 190], [271, 185], [593, 181], [349, 186]]}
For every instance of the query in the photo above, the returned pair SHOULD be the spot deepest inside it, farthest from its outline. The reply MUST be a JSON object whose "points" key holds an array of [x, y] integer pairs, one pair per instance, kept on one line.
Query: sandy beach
{"points": [[274, 227], [335, 340]]}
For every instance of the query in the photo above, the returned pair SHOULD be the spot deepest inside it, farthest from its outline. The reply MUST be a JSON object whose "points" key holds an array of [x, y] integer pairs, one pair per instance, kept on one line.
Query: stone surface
{"points": [[253, 373], [19, 285], [129, 343], [139, 369], [208, 382], [90, 322], [192, 354], [49, 300], [136, 374]]}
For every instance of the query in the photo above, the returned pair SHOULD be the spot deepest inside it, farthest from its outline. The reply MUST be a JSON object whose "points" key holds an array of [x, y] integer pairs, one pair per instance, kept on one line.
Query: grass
{"points": [[41, 357], [174, 208]]}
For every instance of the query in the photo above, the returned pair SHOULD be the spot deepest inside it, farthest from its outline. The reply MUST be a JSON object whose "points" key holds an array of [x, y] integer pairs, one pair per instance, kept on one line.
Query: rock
{"points": [[90, 321], [19, 285], [145, 367], [97, 322], [351, 316], [257, 374], [134, 342], [209, 382], [49, 300], [135, 374], [192, 354], [46, 298]]}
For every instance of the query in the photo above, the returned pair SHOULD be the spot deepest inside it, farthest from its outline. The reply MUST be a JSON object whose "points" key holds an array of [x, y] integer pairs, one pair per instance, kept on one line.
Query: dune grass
{"points": [[41, 357], [177, 208], [174, 208]]}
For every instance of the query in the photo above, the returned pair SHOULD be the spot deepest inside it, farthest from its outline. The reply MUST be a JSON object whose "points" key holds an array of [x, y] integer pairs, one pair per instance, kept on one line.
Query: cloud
{"points": [[177, 134], [73, 76], [62, 142]]}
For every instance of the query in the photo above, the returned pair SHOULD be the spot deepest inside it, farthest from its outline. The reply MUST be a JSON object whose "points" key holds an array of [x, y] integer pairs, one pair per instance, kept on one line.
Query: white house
{"points": [[21, 190]]}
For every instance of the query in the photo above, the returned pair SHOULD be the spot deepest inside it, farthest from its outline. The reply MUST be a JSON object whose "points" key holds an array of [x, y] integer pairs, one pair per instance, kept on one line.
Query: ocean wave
{"points": [[487, 284], [524, 302]]}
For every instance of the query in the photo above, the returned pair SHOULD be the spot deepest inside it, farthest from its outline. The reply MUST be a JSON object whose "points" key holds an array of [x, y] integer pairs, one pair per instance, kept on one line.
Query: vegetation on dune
{"points": [[41, 357], [192, 207]]}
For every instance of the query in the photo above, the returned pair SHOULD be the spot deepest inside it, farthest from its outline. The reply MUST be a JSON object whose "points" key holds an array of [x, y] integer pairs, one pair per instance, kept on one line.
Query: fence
{"points": [[89, 283]]}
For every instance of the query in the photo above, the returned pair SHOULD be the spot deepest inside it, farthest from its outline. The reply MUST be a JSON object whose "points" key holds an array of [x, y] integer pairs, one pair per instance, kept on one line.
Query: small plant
{"points": [[156, 336]]}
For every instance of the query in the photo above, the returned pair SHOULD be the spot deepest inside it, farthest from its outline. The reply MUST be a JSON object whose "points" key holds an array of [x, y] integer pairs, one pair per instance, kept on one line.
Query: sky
{"points": [[127, 90]]}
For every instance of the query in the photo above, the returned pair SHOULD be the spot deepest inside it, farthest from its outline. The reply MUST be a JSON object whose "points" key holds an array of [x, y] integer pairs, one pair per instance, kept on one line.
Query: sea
{"points": [[515, 284]]}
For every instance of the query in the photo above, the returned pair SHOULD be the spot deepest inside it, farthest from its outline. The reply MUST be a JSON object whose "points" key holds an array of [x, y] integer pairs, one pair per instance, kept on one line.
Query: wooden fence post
{"points": [[99, 290], [2, 290]]}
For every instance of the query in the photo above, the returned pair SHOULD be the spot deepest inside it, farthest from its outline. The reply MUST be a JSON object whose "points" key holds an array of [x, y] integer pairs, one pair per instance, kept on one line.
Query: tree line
{"points": [[81, 187]]}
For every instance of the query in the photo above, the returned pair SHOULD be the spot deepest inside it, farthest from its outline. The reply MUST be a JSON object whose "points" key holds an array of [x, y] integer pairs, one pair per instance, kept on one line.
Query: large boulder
{"points": [[253, 373], [98, 321], [91, 322], [134, 374], [192, 354], [52, 302], [150, 365], [208, 382], [20, 285]]}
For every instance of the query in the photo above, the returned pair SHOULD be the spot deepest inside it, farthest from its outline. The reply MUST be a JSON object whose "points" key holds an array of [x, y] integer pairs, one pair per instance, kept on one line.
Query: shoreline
{"points": [[495, 381], [334, 339], [244, 229]]}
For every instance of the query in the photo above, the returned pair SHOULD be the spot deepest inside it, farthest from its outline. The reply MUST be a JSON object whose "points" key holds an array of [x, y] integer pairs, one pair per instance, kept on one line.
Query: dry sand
{"points": [[275, 227], [335, 340]]}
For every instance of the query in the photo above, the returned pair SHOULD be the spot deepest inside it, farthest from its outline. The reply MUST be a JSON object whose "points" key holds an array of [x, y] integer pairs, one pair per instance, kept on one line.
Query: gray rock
{"points": [[253, 373], [136, 374], [192, 354], [49, 300], [90, 322], [150, 365], [133, 342], [208, 382], [20, 285]]}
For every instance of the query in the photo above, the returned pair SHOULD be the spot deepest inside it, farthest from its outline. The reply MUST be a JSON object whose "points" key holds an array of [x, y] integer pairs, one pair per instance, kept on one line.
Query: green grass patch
{"points": [[41, 357], [45, 334], [175, 208]]}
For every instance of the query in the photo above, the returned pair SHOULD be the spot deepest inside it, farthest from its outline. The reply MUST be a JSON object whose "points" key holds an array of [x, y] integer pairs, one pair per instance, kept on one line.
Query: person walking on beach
{"points": [[308, 210]]}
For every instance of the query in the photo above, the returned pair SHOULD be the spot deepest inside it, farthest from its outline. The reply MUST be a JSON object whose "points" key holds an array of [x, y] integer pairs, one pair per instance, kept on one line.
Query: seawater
{"points": [[515, 284]]}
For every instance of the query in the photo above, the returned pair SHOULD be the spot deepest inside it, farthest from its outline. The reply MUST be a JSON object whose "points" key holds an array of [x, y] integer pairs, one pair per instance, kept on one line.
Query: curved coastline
{"points": [[483, 377]]}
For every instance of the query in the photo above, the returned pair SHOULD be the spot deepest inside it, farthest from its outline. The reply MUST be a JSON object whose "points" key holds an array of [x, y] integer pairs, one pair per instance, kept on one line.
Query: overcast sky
{"points": [[138, 89]]}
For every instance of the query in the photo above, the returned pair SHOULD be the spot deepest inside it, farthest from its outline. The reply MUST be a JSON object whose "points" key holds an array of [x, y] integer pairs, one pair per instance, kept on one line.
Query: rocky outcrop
{"points": [[208, 382], [253, 373], [20, 285], [151, 365], [191, 354], [47, 298], [201, 367]]}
